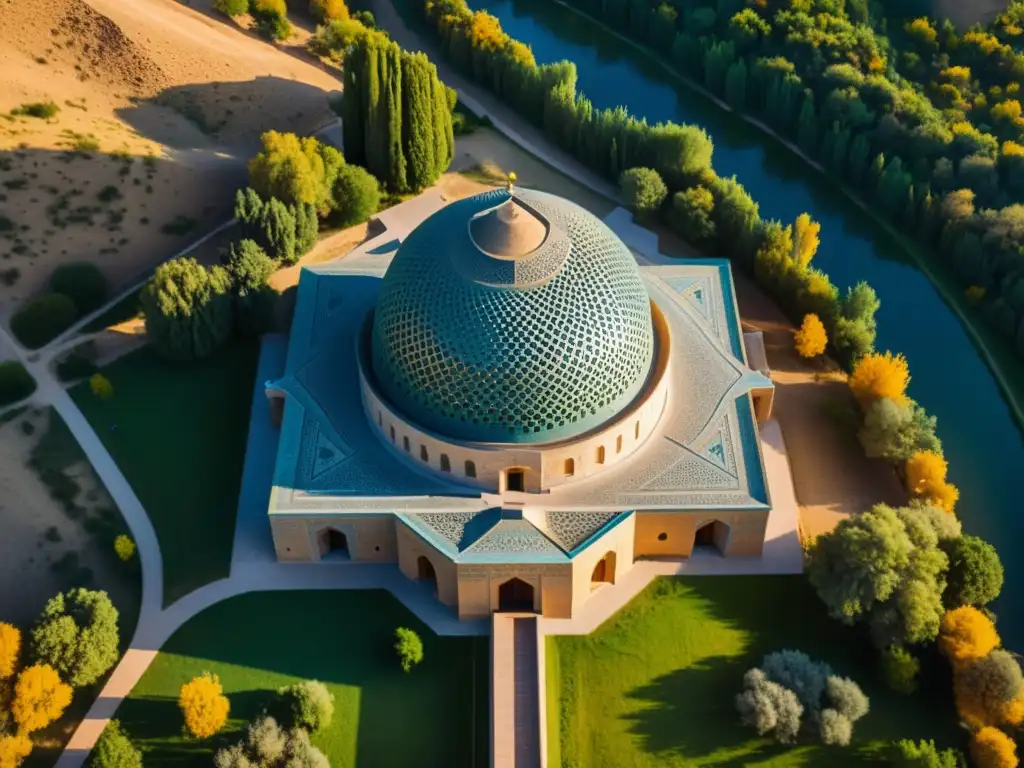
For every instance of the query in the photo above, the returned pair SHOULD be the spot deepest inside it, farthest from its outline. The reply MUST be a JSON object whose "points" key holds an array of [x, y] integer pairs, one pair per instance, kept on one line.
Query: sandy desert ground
{"points": [[160, 106]]}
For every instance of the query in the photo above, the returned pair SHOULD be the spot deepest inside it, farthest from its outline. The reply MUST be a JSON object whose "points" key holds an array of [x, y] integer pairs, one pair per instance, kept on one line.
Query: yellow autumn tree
{"points": [[806, 238], [880, 375], [101, 386], [14, 749], [966, 633], [811, 338], [926, 478], [39, 698], [991, 748], [204, 705], [10, 649], [922, 29]]}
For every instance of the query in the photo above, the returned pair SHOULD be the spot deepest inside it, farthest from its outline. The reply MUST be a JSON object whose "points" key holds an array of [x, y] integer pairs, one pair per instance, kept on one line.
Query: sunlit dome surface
{"points": [[512, 317]]}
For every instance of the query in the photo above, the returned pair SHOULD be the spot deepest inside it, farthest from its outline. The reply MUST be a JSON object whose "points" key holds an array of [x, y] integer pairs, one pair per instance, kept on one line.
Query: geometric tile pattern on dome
{"points": [[511, 363], [570, 529]]}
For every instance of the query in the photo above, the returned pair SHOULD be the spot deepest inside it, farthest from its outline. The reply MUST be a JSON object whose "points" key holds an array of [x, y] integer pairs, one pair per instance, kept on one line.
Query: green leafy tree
{"points": [[77, 635], [895, 431], [285, 232], [43, 319], [644, 192], [691, 215], [975, 572], [736, 84], [922, 754], [900, 668], [807, 126], [231, 7], [114, 749], [188, 309], [16, 383], [769, 708], [249, 268], [267, 745], [409, 648], [272, 18], [309, 705], [295, 170], [83, 283], [357, 194]]}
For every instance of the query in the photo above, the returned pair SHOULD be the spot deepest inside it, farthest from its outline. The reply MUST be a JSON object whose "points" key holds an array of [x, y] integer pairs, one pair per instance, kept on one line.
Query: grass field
{"points": [[655, 685], [434, 717], [178, 434]]}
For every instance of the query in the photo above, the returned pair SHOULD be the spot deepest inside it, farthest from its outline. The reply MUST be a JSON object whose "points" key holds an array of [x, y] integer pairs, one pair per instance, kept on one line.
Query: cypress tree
{"points": [[376, 112], [807, 126], [417, 119], [354, 104], [307, 227], [859, 151], [396, 165], [444, 136], [736, 84]]}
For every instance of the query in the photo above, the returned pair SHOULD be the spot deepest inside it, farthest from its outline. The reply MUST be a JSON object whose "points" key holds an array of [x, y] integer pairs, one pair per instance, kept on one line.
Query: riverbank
{"points": [[1006, 368]]}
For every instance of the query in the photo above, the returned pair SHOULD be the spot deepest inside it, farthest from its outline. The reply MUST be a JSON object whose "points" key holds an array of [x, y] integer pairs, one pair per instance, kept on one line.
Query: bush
{"points": [[811, 338], [231, 7], [691, 215], [114, 749], [295, 170], [77, 635], [75, 366], [967, 634], [876, 376], [990, 690], [896, 431], [356, 196], [267, 745], [975, 574], [81, 282], [272, 19], [900, 668], [769, 707], [991, 748], [16, 383], [309, 705], [43, 319], [124, 547], [41, 109], [799, 673], [328, 10], [204, 705], [409, 648], [643, 192], [923, 754]]}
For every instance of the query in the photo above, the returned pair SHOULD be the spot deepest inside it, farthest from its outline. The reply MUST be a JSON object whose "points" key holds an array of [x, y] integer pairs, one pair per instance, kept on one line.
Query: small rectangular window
{"points": [[405, 444], [424, 456], [470, 469], [445, 464]]}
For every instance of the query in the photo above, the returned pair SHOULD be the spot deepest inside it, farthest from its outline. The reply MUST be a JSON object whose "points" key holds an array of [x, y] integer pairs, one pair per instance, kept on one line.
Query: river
{"points": [[981, 440]]}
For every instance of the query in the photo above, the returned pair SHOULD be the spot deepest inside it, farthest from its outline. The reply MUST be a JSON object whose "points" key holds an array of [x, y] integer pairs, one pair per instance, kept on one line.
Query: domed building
{"points": [[507, 406]]}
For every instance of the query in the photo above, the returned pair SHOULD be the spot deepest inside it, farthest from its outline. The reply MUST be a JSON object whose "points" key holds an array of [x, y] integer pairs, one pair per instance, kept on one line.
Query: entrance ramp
{"points": [[517, 700]]}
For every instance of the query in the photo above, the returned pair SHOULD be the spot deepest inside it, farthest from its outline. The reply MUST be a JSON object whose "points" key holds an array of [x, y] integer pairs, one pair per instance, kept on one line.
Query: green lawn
{"points": [[655, 685], [178, 434], [434, 717]]}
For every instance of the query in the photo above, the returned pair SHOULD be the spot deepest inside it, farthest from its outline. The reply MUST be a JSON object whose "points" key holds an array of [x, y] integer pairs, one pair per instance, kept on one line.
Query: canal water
{"points": [[981, 440]]}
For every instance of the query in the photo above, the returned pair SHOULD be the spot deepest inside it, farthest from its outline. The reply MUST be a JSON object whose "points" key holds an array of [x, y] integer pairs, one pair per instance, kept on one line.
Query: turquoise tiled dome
{"points": [[512, 317]]}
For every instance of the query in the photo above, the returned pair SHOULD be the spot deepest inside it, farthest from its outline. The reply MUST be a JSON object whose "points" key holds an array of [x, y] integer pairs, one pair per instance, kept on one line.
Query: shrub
{"points": [[900, 668], [923, 754], [990, 690], [114, 749], [876, 376], [991, 748], [691, 214], [204, 705], [41, 109], [768, 707], [643, 192], [10, 650], [975, 572], [811, 339], [188, 309], [101, 387], [39, 698], [75, 366], [272, 18], [309, 705], [967, 634], [796, 671], [249, 269], [43, 318], [356, 196], [16, 383], [328, 10], [266, 745], [926, 478], [409, 648], [834, 729], [895, 431], [77, 636], [83, 283], [231, 7], [124, 547], [295, 170]]}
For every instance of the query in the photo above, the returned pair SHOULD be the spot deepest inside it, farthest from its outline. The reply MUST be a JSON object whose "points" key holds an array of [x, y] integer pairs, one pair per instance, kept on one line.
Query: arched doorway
{"points": [[425, 572], [604, 571], [515, 595], [712, 536], [333, 544], [515, 479]]}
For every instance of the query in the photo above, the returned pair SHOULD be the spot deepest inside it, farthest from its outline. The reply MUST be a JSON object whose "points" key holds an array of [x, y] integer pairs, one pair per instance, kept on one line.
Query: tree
{"points": [[14, 749], [188, 309], [807, 125], [39, 698], [736, 84], [644, 192], [991, 748], [356, 194], [900, 668], [249, 268], [231, 7], [10, 650], [769, 707], [799, 673], [409, 648], [101, 387], [967, 634], [124, 547], [895, 431], [884, 567], [876, 376], [691, 215], [846, 704], [922, 754], [16, 383], [324, 11], [77, 635], [811, 339], [267, 745], [272, 18], [975, 571], [43, 319], [309, 705], [204, 705], [806, 238], [990, 690], [83, 283], [285, 232], [114, 749], [295, 170], [926, 478]]}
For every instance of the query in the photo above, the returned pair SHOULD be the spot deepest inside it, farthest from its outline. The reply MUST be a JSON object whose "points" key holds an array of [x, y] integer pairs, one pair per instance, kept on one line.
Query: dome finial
{"points": [[512, 182]]}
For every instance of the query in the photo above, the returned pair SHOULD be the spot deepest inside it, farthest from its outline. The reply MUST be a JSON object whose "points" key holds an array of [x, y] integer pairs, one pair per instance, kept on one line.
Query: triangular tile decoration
{"points": [[714, 451], [570, 529], [698, 294], [513, 536], [326, 455], [692, 472]]}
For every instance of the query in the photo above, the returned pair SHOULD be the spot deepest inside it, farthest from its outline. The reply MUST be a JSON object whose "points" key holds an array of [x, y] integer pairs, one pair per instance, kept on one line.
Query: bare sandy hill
{"points": [[160, 105]]}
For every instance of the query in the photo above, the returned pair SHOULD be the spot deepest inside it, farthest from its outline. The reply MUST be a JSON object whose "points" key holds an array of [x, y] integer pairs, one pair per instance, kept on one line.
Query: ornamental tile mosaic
{"points": [[513, 537], [571, 529]]}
